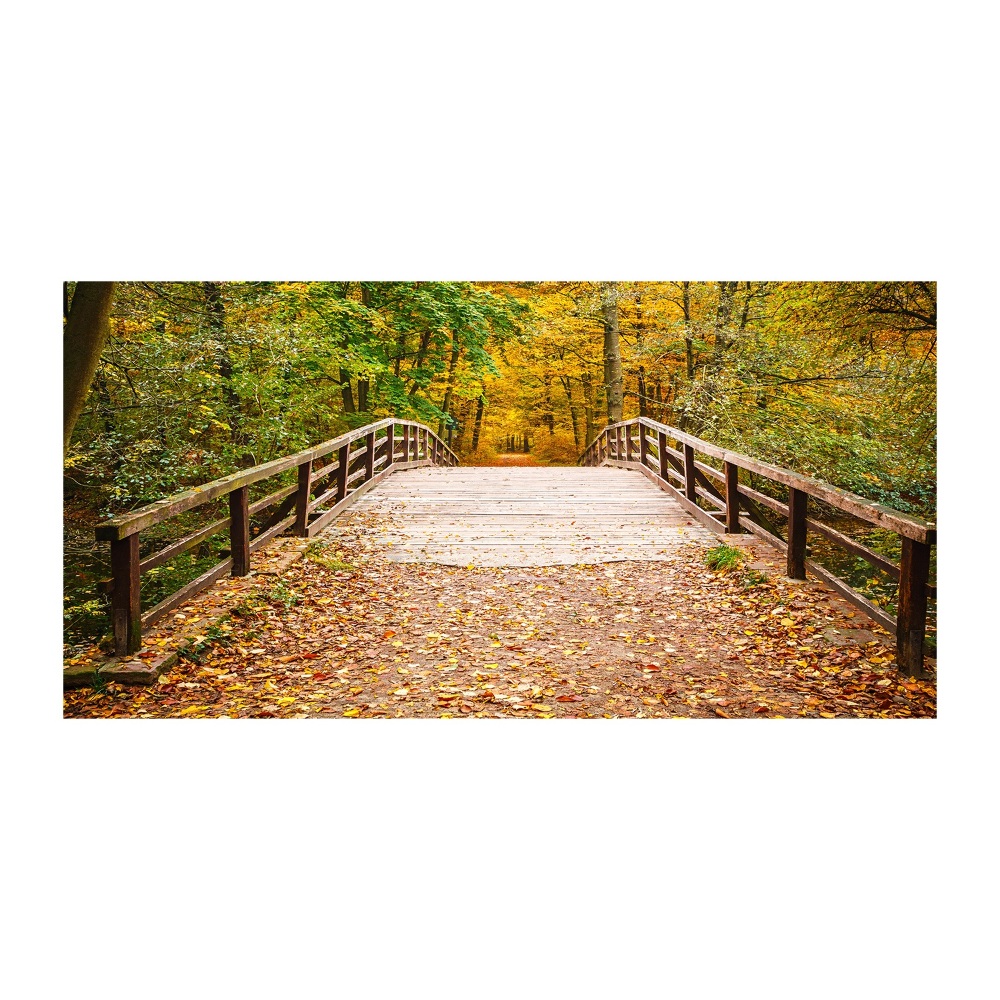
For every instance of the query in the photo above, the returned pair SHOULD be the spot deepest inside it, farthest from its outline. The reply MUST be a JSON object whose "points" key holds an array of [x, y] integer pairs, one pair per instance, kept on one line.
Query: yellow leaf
{"points": [[191, 709], [285, 701], [828, 715], [787, 622], [352, 713]]}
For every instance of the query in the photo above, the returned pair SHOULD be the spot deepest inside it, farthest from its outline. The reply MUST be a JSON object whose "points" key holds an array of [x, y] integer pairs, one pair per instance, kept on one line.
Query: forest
{"points": [[195, 380]]}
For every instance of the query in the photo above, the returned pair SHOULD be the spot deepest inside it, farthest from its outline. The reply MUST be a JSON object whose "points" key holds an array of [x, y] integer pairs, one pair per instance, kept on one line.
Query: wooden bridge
{"points": [[692, 490]]}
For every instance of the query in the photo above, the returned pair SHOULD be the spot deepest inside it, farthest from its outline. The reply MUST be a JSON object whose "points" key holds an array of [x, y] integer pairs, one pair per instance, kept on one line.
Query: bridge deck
{"points": [[520, 517]]}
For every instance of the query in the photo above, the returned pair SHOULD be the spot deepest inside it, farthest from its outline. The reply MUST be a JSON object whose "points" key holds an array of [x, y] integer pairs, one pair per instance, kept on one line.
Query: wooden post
{"points": [[126, 613], [689, 474], [239, 530], [342, 460], [629, 447], [369, 455], [302, 498], [796, 567], [643, 446], [732, 497], [661, 448], [389, 448], [406, 442], [911, 615]]}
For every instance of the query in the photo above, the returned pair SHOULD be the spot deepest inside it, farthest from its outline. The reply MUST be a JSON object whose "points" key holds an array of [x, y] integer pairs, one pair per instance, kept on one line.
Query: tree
{"points": [[612, 350], [84, 334]]}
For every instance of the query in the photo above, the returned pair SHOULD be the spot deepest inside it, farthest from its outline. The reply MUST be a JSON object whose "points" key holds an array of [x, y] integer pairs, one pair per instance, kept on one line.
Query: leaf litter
{"points": [[375, 638]]}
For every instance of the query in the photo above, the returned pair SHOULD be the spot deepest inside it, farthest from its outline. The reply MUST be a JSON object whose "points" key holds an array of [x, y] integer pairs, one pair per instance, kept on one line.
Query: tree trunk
{"points": [[589, 408], [84, 335], [217, 325], [480, 406], [723, 315], [612, 351], [688, 339], [450, 387], [574, 412]]}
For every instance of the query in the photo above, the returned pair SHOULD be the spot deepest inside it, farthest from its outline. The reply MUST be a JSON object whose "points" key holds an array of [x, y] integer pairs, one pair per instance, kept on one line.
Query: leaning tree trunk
{"points": [[84, 335], [612, 351], [217, 325]]}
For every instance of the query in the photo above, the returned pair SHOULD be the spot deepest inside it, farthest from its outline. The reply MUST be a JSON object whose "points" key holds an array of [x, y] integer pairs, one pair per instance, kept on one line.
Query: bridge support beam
{"points": [[239, 530], [302, 498], [911, 615], [796, 566], [732, 498], [126, 611]]}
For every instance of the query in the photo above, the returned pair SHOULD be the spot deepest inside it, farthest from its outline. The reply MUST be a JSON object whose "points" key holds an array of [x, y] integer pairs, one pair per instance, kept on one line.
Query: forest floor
{"points": [[347, 633]]}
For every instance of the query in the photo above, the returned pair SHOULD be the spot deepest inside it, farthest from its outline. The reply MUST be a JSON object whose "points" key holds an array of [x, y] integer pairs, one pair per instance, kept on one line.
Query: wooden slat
{"points": [[127, 524], [324, 519], [763, 498], [355, 476], [855, 548], [276, 529], [849, 594], [239, 530], [327, 470], [258, 505], [712, 472], [182, 545], [821, 573], [125, 600], [302, 498], [180, 596], [732, 499], [903, 524], [914, 567], [692, 508]]}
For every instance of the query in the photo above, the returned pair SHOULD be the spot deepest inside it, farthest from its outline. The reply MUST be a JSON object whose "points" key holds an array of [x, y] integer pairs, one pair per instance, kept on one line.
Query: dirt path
{"points": [[347, 632]]}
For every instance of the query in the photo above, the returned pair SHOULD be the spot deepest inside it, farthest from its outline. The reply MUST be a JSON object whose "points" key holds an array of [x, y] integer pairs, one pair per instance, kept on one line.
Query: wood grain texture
{"points": [[521, 517]]}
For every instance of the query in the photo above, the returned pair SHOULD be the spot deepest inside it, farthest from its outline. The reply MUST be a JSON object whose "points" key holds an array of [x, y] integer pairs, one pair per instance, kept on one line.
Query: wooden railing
{"points": [[667, 456], [360, 459]]}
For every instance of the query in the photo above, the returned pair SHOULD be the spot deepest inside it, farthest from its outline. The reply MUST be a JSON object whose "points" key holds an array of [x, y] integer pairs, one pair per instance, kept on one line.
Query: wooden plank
{"points": [[258, 505], [302, 498], [342, 467], [851, 503], [276, 529], [239, 530], [692, 508], [733, 499], [180, 596], [182, 545], [126, 620], [153, 513], [324, 519], [876, 614], [689, 482], [713, 473], [914, 569], [763, 498], [327, 470], [797, 501], [855, 548], [661, 455]]}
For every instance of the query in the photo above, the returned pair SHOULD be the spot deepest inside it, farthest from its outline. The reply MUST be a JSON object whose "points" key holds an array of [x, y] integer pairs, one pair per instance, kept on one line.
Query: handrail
{"points": [[618, 445], [335, 485]]}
